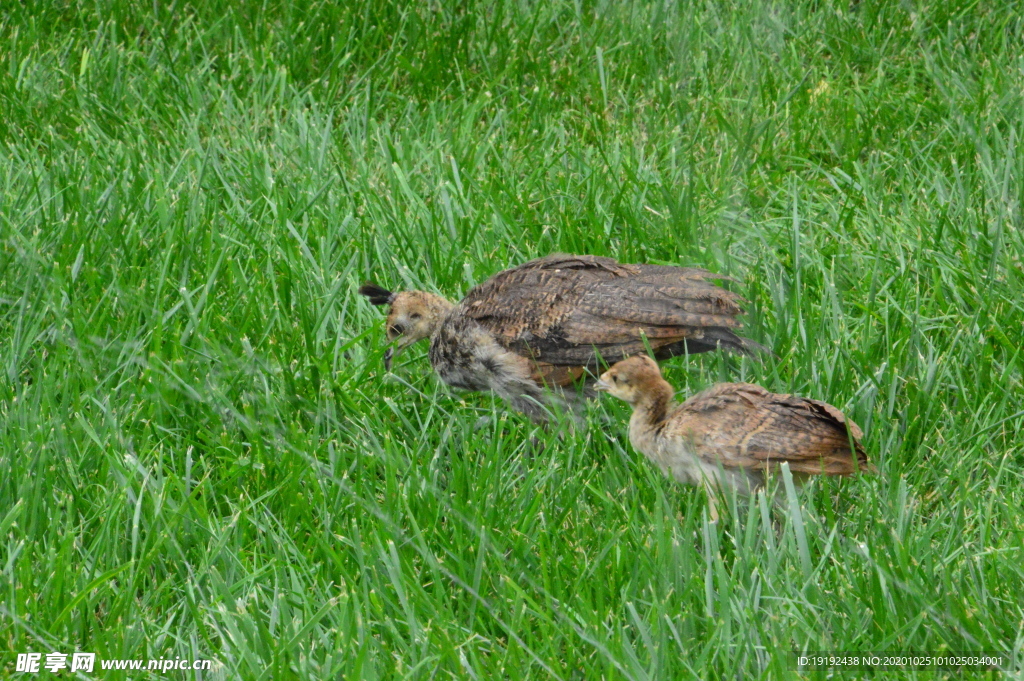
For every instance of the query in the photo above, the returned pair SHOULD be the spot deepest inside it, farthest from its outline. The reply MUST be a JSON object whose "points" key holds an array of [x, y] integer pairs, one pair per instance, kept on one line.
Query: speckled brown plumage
{"points": [[549, 322], [568, 309], [731, 434]]}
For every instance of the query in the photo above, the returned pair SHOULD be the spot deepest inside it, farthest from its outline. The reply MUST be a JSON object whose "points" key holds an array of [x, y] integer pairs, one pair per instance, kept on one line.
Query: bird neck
{"points": [[444, 305], [438, 310], [654, 404]]}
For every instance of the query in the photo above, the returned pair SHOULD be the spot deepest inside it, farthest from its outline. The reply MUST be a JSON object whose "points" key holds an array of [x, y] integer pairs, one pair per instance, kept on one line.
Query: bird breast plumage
{"points": [[674, 453], [466, 356]]}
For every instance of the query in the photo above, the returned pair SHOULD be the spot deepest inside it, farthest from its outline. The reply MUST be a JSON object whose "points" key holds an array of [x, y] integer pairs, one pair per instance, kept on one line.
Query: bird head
{"points": [[631, 379], [412, 316]]}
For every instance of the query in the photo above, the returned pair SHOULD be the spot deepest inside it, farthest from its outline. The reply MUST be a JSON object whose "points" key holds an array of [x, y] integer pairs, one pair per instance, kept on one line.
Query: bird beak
{"points": [[602, 386], [399, 344]]}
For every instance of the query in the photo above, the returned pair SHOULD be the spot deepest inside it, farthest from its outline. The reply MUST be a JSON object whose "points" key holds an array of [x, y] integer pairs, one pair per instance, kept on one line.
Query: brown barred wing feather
{"points": [[744, 426], [573, 310]]}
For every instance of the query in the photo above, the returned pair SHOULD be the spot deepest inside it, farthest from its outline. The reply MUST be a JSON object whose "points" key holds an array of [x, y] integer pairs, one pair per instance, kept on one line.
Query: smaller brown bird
{"points": [[732, 434]]}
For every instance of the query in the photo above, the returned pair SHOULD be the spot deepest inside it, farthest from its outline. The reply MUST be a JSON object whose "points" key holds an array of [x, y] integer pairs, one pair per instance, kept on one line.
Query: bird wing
{"points": [[569, 309], [744, 426]]}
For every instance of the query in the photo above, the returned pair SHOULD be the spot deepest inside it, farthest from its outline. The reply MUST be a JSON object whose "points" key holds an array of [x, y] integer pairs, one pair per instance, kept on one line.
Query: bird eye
{"points": [[397, 329], [415, 316]]}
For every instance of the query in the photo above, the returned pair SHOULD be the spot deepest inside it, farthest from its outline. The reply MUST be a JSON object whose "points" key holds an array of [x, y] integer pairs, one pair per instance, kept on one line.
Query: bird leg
{"points": [[545, 406], [532, 407], [712, 503]]}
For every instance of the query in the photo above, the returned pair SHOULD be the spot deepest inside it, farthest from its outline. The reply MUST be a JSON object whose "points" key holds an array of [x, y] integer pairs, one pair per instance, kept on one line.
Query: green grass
{"points": [[202, 457]]}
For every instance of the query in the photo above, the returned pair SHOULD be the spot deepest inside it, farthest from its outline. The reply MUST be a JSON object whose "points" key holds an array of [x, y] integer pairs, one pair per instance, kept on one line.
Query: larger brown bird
{"points": [[732, 434], [531, 332]]}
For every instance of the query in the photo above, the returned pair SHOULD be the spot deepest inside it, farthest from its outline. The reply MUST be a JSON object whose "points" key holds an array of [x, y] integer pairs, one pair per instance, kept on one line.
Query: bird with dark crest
{"points": [[533, 332], [732, 434]]}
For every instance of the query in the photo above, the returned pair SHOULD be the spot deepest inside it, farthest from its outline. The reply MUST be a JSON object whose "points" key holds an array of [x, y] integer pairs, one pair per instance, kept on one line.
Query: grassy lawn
{"points": [[203, 458]]}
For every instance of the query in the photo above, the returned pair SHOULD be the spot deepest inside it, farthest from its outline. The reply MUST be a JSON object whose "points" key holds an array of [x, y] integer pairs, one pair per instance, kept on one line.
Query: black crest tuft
{"points": [[377, 295]]}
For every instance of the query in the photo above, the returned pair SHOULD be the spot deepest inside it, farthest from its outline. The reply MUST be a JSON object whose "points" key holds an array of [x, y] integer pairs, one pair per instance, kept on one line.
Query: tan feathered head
{"points": [[630, 379], [412, 316]]}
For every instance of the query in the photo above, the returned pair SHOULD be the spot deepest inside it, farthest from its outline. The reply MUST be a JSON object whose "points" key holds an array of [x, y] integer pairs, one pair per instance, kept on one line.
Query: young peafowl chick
{"points": [[531, 332], [732, 434]]}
